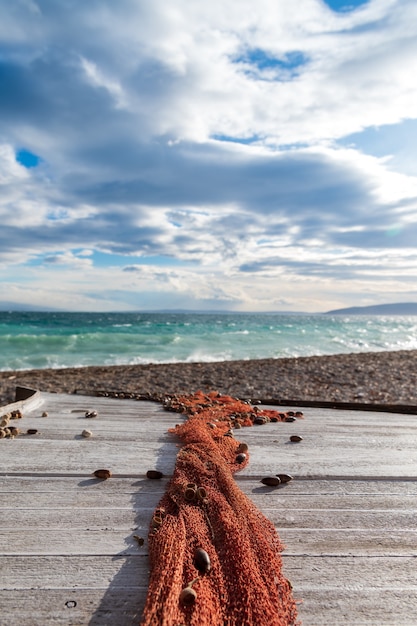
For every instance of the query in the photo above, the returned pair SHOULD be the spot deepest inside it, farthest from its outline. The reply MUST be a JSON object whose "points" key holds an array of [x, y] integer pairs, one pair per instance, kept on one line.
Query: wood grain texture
{"points": [[67, 549]]}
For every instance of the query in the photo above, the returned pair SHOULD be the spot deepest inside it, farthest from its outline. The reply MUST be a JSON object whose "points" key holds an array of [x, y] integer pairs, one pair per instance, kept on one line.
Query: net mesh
{"points": [[214, 557]]}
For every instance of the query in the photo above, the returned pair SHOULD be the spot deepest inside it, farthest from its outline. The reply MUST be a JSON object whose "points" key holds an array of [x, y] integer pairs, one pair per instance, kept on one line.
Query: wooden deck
{"points": [[67, 549]]}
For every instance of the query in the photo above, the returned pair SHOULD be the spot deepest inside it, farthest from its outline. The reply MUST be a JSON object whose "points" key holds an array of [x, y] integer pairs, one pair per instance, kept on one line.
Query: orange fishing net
{"points": [[215, 559]]}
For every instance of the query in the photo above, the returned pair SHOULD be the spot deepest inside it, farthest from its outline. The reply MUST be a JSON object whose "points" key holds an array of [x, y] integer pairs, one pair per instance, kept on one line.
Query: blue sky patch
{"points": [[285, 66], [27, 159], [397, 140], [244, 140], [102, 259], [343, 6], [262, 60]]}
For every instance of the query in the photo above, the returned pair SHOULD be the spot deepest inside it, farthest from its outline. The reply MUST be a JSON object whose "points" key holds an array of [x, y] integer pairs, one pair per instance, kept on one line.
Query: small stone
{"points": [[91, 414], [103, 473], [271, 481], [290, 419], [202, 561], [154, 474], [87, 433], [45, 414], [296, 438], [32, 431], [284, 478], [188, 596], [140, 540]]}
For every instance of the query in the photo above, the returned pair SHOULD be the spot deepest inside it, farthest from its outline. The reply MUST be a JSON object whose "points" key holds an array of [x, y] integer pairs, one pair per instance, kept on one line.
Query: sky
{"points": [[222, 155]]}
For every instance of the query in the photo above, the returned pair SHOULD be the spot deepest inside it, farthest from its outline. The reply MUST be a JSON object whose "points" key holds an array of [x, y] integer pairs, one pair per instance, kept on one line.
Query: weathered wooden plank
{"points": [[37, 454], [132, 516], [72, 542], [131, 443], [98, 608], [66, 415], [107, 540], [76, 485], [145, 494], [75, 518], [73, 607], [310, 488], [62, 460], [324, 452], [371, 606], [333, 502], [74, 407], [341, 425], [100, 579], [317, 421], [78, 499], [83, 456], [78, 572], [125, 427], [305, 572], [351, 573], [366, 607], [349, 542]]}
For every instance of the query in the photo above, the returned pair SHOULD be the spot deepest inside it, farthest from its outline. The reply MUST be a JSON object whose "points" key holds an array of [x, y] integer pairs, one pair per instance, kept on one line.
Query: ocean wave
{"points": [[77, 340]]}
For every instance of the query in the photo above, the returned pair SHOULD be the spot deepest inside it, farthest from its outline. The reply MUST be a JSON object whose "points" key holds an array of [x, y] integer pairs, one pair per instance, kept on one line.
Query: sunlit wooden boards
{"points": [[68, 553]]}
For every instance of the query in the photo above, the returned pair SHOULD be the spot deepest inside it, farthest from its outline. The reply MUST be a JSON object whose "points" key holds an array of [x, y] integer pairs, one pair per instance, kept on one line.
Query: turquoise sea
{"points": [[53, 340]]}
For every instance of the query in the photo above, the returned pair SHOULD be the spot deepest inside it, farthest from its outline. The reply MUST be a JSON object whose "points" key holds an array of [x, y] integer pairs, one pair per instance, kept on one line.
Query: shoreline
{"points": [[366, 377]]}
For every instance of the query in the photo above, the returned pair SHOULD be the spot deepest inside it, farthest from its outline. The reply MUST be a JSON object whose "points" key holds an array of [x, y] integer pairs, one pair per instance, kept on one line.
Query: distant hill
{"points": [[399, 308], [7, 307]]}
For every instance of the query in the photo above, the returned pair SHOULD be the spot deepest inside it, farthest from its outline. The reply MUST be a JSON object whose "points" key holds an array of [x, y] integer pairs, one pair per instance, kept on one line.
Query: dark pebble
{"points": [[154, 474], [284, 478], [271, 481]]}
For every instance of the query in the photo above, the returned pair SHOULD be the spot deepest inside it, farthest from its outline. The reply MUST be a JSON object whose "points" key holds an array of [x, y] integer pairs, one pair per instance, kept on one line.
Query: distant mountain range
{"points": [[399, 308]]}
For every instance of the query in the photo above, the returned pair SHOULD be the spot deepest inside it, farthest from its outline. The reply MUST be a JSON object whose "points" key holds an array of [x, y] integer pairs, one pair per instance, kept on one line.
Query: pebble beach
{"points": [[372, 377]]}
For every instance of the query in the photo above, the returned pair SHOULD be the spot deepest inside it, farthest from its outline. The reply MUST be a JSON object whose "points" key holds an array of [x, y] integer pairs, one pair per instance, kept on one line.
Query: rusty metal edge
{"points": [[410, 409]]}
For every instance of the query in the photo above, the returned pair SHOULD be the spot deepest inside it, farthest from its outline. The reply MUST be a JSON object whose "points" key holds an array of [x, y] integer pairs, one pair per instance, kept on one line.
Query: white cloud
{"points": [[68, 259], [132, 107], [99, 80], [10, 170]]}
